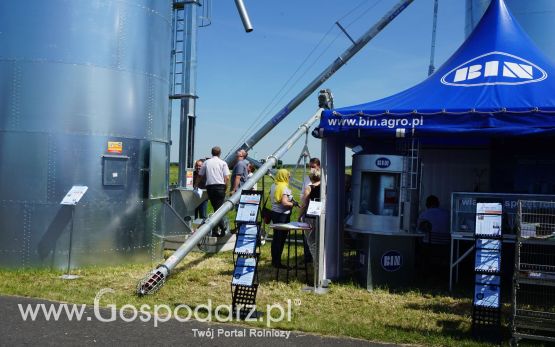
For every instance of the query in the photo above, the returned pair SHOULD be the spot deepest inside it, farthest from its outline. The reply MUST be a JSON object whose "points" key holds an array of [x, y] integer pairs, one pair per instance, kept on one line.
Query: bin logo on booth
{"points": [[383, 163], [392, 261], [494, 68]]}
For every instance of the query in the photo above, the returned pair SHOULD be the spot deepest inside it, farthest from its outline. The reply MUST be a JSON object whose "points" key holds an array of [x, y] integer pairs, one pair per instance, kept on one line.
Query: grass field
{"points": [[425, 314], [417, 316]]}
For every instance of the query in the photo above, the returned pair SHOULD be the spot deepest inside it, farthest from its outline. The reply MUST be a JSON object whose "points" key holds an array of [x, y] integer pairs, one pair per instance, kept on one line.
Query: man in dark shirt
{"points": [[240, 172]]}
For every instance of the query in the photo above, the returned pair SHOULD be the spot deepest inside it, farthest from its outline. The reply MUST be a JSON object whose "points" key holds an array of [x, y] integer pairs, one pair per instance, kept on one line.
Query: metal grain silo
{"points": [[536, 17], [84, 91]]}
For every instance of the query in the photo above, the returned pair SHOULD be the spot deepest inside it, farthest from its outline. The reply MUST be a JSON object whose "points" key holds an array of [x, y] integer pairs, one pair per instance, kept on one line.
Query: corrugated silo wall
{"points": [[536, 17], [74, 77]]}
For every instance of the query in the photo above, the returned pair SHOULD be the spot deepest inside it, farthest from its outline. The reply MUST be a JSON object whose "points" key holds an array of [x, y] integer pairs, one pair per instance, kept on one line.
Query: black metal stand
{"points": [[486, 304], [244, 285]]}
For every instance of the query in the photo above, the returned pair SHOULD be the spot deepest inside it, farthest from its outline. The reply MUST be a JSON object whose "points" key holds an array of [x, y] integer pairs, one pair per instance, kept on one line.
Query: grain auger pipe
{"points": [[154, 280], [322, 77]]}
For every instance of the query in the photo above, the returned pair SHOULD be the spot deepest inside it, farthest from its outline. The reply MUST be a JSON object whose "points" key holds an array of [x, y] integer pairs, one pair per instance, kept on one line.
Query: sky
{"points": [[242, 78]]}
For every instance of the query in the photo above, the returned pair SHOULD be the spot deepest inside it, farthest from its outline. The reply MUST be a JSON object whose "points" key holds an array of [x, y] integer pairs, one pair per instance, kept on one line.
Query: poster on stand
{"points": [[488, 279], [249, 230], [245, 244], [487, 260], [486, 295], [244, 272], [494, 245], [488, 225], [247, 213], [250, 199]]}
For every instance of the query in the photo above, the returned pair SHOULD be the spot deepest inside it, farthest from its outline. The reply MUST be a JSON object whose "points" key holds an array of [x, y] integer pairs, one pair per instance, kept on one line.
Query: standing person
{"points": [[250, 168], [216, 172], [282, 203], [312, 192], [202, 210], [240, 172], [313, 164]]}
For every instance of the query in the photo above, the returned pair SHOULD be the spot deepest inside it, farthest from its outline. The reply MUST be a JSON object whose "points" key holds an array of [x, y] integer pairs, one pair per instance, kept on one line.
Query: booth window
{"points": [[379, 194]]}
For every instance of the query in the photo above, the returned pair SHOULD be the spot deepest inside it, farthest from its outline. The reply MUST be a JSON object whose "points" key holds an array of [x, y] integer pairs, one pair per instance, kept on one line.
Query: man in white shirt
{"points": [[216, 172]]}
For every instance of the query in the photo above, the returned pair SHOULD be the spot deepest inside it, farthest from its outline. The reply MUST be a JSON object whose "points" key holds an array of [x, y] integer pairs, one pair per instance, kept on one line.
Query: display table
{"points": [[385, 258], [295, 229]]}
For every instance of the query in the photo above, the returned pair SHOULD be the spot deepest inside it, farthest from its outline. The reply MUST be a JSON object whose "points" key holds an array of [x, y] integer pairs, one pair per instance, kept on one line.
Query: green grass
{"points": [[421, 315], [426, 317]]}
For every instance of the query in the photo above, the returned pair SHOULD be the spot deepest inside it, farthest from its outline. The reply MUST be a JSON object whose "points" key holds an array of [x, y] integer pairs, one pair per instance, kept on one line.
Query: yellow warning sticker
{"points": [[189, 179], [115, 147]]}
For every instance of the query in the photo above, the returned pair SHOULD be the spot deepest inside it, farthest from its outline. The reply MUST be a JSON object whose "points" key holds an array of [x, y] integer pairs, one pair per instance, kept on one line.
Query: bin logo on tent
{"points": [[494, 68], [392, 261]]}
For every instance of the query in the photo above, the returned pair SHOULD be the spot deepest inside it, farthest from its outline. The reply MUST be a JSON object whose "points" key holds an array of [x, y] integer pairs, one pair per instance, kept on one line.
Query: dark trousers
{"points": [[307, 254], [202, 210], [280, 236], [216, 195]]}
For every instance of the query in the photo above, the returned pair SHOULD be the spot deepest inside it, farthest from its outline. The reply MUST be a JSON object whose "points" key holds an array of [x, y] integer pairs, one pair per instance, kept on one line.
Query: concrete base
{"points": [[210, 245]]}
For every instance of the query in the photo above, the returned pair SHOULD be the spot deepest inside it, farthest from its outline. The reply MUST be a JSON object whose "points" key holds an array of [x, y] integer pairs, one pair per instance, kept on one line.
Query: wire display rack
{"points": [[533, 300]]}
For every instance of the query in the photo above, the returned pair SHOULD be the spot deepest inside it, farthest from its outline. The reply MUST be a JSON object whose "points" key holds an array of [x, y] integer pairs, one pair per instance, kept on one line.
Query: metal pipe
{"points": [[244, 15], [432, 67], [321, 78], [156, 278]]}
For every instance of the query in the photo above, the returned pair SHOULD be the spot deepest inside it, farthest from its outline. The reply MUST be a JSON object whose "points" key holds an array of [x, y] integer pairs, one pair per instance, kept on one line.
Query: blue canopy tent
{"points": [[497, 84], [496, 89]]}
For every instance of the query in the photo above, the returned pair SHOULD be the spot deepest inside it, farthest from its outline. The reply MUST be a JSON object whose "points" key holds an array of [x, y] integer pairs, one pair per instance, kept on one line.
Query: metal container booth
{"points": [[84, 91], [380, 221]]}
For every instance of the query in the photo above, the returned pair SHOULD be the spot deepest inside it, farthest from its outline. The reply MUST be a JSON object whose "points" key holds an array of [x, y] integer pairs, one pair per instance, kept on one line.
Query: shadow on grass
{"points": [[187, 266], [460, 308], [448, 328], [455, 330]]}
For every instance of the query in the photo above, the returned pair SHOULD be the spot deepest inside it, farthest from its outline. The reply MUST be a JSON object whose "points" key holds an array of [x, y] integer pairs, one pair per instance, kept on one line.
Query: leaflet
{"points": [[249, 230], [488, 244], [486, 295], [244, 272], [488, 279], [488, 225], [487, 260], [247, 213], [489, 208], [250, 199], [245, 244]]}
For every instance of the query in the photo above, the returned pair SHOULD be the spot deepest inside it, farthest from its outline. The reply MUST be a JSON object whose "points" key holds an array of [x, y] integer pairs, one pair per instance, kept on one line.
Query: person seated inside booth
{"points": [[434, 248], [434, 222]]}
